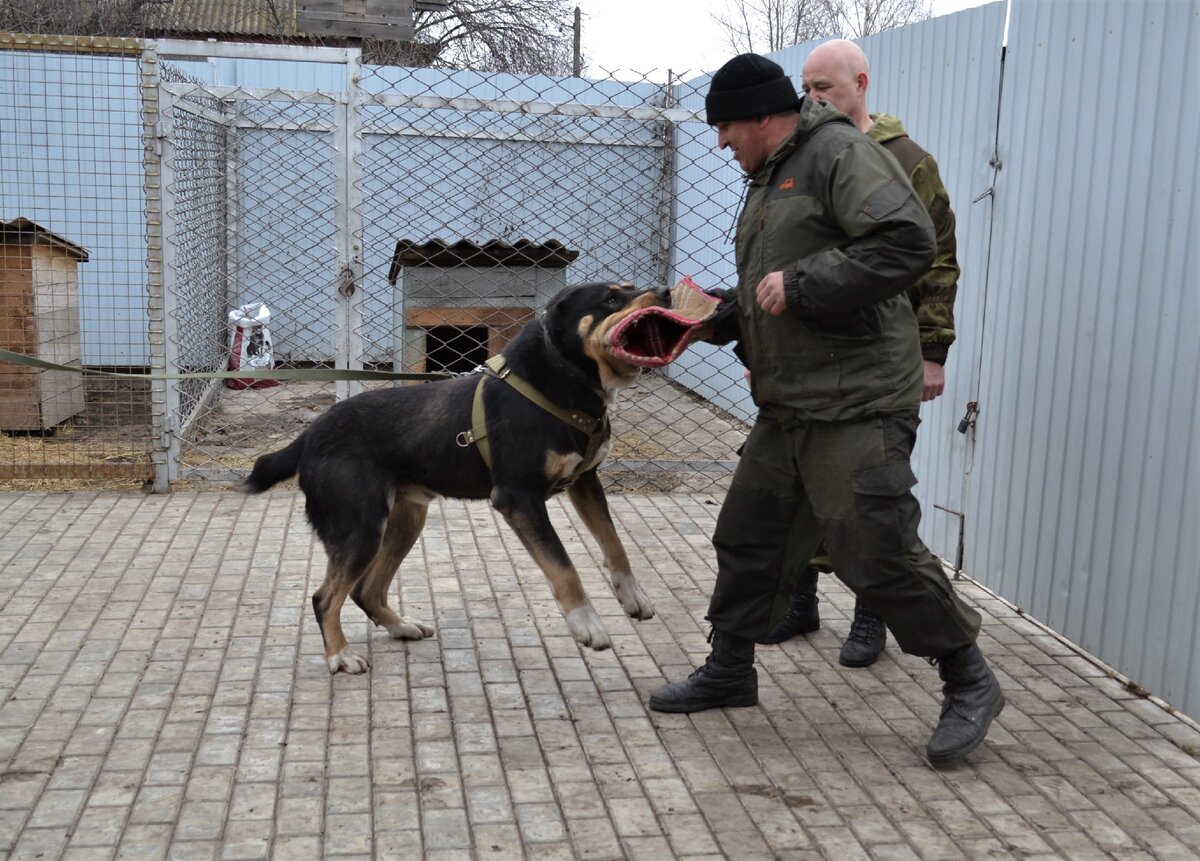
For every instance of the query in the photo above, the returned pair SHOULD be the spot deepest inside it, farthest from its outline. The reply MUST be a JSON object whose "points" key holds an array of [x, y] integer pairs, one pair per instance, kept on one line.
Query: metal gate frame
{"points": [[162, 98]]}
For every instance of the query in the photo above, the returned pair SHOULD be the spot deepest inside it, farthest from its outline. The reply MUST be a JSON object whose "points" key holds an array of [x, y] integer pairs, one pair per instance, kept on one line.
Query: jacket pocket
{"points": [[821, 376], [861, 324]]}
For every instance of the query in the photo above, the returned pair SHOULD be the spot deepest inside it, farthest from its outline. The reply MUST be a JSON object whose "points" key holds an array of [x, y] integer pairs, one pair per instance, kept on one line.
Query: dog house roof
{"points": [[25, 232], [547, 255]]}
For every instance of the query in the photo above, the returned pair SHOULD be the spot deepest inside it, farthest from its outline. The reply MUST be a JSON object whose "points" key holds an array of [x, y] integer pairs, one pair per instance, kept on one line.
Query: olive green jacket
{"points": [[835, 213], [932, 296]]}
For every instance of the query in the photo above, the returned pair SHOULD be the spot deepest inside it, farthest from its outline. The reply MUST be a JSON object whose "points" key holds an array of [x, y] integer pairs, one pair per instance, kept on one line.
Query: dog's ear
{"points": [[570, 305]]}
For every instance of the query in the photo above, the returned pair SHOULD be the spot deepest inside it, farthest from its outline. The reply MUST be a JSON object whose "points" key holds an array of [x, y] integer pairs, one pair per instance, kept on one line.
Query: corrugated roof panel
{"points": [[24, 231], [436, 252], [240, 17]]}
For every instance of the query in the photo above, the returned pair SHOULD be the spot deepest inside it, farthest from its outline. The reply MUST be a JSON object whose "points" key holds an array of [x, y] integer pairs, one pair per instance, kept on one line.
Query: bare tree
{"points": [[75, 17], [768, 25], [858, 18], [762, 26], [522, 36]]}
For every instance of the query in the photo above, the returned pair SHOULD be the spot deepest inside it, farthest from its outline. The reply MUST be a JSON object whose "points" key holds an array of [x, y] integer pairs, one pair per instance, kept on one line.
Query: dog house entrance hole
{"points": [[455, 349], [455, 305]]}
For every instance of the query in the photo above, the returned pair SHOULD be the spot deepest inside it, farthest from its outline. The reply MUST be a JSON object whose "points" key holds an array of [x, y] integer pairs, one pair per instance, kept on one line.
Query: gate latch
{"points": [[346, 281], [968, 421]]}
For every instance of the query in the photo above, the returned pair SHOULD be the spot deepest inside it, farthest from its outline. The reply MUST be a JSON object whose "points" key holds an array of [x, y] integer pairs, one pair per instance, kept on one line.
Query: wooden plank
{"points": [[467, 318], [357, 18]]}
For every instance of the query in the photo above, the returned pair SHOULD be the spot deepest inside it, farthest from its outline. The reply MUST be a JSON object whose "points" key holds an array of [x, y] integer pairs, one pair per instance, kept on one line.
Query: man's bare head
{"points": [[838, 72]]}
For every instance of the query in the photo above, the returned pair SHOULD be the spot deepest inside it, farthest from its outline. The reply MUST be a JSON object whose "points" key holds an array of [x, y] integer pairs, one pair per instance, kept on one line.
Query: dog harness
{"points": [[596, 429]]}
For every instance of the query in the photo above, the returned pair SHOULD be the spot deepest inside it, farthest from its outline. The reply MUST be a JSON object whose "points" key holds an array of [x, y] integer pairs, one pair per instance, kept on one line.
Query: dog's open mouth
{"points": [[653, 337]]}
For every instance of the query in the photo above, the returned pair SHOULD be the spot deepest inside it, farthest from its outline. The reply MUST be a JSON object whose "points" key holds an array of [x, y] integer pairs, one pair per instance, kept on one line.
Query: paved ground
{"points": [[162, 695]]}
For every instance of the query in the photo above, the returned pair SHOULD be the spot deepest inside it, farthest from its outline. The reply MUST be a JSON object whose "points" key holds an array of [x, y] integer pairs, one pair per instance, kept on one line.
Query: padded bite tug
{"points": [[653, 337]]}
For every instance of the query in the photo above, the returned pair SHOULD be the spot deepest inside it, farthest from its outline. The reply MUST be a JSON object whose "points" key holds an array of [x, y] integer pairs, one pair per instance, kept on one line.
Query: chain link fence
{"points": [[73, 285], [411, 220]]}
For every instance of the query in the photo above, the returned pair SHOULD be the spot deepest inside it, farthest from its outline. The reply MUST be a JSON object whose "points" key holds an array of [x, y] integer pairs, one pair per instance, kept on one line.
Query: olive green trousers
{"points": [[851, 484]]}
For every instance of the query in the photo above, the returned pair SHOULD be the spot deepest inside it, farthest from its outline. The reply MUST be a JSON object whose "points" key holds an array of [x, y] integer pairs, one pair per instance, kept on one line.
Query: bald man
{"points": [[837, 72]]}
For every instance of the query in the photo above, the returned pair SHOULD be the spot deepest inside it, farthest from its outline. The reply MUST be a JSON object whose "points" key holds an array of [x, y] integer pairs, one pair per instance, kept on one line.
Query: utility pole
{"points": [[577, 61]]}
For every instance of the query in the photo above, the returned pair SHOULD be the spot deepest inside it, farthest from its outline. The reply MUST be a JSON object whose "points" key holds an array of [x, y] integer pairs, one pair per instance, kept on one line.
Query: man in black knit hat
{"points": [[830, 236]]}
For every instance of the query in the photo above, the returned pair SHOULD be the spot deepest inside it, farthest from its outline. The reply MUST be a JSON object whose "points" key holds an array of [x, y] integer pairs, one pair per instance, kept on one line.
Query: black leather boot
{"points": [[801, 617], [727, 680], [971, 699], [865, 641]]}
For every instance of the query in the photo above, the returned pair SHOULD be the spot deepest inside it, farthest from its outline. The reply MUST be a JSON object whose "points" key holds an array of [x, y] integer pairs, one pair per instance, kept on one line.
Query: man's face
{"points": [[828, 79], [748, 141]]}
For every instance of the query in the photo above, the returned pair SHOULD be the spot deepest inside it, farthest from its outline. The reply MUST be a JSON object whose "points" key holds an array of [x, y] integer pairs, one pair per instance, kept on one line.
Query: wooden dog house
{"points": [[464, 302], [39, 317]]}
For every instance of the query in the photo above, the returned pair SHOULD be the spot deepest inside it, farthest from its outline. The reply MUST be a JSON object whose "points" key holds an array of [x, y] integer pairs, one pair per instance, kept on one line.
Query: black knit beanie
{"points": [[747, 87]]}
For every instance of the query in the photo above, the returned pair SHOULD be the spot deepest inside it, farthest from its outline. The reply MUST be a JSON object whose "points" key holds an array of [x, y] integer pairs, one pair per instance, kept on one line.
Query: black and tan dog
{"points": [[370, 465]]}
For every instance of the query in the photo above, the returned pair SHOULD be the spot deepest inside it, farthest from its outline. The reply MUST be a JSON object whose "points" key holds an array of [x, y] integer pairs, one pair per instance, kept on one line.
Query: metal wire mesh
{"points": [[261, 183], [200, 263], [71, 161], [415, 220]]}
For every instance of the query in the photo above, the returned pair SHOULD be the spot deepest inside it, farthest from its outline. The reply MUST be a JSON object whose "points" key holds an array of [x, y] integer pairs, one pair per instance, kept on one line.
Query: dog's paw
{"points": [[410, 629], [587, 629], [633, 599], [348, 661]]}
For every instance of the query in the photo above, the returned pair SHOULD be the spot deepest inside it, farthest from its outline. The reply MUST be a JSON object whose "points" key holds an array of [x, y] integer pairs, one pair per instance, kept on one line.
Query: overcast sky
{"points": [[651, 36]]}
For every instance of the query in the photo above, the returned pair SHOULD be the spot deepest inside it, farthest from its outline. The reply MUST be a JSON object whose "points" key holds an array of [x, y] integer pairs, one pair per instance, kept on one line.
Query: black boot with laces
{"points": [[801, 617], [971, 700], [865, 642], [727, 680]]}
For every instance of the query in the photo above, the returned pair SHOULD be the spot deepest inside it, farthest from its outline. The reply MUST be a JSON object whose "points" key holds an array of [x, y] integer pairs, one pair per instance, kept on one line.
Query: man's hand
{"points": [[770, 294], [935, 381]]}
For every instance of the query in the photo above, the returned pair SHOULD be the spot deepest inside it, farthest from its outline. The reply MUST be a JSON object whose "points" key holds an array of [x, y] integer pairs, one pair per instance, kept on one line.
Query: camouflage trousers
{"points": [[851, 483]]}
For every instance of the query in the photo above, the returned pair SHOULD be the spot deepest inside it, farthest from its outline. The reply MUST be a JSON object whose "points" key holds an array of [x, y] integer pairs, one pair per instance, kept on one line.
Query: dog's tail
{"points": [[270, 469]]}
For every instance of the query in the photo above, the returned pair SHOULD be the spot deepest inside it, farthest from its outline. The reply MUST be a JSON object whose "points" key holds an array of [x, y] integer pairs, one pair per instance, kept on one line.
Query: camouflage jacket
{"points": [[932, 295]]}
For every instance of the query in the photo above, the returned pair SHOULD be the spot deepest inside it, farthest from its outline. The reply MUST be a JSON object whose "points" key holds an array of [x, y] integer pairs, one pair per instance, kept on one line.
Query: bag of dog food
{"points": [[251, 348]]}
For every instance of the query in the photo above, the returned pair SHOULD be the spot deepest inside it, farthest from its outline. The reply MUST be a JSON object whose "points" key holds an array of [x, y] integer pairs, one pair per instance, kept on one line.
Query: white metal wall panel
{"points": [[1083, 505], [942, 79], [71, 160]]}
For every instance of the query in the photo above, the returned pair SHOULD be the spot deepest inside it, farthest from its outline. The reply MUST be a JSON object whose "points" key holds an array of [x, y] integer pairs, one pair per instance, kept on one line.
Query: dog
{"points": [[370, 466]]}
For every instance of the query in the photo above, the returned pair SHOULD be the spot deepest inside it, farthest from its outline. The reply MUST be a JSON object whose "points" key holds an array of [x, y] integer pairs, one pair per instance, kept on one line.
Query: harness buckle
{"points": [[496, 367], [465, 439]]}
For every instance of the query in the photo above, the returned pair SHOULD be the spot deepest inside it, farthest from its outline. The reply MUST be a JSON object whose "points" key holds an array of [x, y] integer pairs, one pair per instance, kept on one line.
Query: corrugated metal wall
{"points": [[1084, 497], [942, 79]]}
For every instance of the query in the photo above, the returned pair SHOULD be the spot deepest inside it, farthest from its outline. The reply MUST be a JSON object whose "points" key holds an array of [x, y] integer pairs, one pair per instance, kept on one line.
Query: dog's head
{"points": [[580, 318]]}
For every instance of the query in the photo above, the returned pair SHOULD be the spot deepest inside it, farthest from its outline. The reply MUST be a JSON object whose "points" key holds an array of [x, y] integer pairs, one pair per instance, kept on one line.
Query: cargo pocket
{"points": [[887, 511]]}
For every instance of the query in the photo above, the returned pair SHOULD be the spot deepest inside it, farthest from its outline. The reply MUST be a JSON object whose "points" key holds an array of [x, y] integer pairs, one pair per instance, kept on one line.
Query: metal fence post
{"points": [[348, 227], [666, 191], [164, 399]]}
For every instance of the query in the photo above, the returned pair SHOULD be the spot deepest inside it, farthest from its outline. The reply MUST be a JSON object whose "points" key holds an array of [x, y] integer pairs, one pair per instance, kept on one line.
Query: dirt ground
{"points": [[108, 444], [664, 437]]}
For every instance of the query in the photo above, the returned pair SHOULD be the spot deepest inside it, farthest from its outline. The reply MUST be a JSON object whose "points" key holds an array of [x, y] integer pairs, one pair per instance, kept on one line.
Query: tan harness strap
{"points": [[595, 428]]}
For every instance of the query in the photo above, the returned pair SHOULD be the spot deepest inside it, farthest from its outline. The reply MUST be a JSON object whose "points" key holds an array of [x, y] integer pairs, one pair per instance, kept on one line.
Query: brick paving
{"points": [[163, 695]]}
